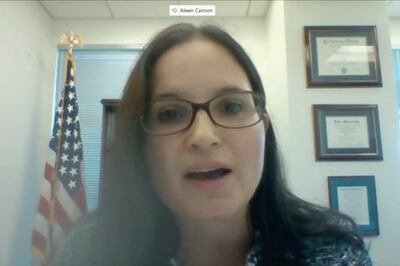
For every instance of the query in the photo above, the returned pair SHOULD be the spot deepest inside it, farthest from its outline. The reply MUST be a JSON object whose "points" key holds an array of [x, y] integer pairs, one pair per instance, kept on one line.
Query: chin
{"points": [[215, 211]]}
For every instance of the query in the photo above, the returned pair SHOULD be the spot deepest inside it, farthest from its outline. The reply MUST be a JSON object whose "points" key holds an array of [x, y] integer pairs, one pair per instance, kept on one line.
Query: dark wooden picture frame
{"points": [[110, 109], [342, 56], [356, 197], [346, 132]]}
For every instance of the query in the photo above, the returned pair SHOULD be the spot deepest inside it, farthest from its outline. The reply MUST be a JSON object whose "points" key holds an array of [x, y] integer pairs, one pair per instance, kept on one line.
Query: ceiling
{"points": [[117, 9], [113, 9], [393, 9]]}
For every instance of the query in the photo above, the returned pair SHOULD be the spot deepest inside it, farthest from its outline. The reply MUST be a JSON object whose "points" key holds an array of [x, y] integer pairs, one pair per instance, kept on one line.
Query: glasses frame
{"points": [[206, 107]]}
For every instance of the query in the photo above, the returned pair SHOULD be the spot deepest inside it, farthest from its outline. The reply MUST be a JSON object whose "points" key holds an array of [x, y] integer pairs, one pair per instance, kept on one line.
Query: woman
{"points": [[193, 177]]}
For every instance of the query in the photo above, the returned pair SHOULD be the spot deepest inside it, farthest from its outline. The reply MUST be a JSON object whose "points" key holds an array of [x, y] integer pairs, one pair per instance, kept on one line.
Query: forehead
{"points": [[197, 70]]}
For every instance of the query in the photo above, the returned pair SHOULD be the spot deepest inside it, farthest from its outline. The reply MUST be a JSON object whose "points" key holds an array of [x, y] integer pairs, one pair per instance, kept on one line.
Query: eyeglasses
{"points": [[232, 110]]}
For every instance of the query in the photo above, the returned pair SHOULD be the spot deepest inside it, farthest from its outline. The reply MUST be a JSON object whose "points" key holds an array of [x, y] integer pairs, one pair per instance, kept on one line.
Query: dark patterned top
{"points": [[80, 250], [319, 251]]}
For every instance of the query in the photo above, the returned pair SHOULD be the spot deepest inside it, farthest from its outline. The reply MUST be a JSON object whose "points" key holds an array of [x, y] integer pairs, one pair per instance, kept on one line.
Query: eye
{"points": [[171, 114], [231, 107]]}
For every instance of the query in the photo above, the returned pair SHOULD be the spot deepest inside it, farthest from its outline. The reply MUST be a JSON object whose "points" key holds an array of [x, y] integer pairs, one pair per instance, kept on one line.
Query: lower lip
{"points": [[209, 183]]}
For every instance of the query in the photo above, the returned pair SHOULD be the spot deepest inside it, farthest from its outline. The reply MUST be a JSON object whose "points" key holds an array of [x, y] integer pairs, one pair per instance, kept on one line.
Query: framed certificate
{"points": [[346, 132], [342, 56], [356, 197]]}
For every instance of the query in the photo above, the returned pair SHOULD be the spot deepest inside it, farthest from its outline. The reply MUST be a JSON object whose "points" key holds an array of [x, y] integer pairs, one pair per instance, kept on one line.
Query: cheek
{"points": [[250, 145], [254, 145], [250, 155]]}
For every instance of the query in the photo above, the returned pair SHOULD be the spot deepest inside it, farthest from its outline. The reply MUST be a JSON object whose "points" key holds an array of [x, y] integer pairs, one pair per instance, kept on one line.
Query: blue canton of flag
{"points": [[67, 125]]}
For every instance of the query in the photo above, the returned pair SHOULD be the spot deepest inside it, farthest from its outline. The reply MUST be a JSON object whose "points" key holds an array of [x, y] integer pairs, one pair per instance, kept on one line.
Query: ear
{"points": [[266, 122]]}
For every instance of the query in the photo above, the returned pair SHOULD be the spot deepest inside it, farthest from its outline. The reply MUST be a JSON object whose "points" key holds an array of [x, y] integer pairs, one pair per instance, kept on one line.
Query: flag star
{"points": [[59, 109], [75, 159], [76, 146], [73, 172], [70, 108], [76, 133], [67, 133], [71, 83], [76, 118], [71, 95], [69, 120], [64, 157], [72, 184], [63, 170], [58, 133], [59, 121], [66, 145]]}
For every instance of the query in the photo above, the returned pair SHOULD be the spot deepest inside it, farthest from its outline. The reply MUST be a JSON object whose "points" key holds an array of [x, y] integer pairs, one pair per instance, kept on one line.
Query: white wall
{"points": [[276, 75], [27, 52], [394, 25], [309, 178]]}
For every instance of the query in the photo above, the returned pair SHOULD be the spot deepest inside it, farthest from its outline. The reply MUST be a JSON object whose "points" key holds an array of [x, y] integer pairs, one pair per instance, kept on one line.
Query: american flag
{"points": [[62, 197]]}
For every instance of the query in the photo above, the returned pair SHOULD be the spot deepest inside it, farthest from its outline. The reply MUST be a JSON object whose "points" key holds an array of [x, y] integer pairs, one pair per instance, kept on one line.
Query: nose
{"points": [[202, 133]]}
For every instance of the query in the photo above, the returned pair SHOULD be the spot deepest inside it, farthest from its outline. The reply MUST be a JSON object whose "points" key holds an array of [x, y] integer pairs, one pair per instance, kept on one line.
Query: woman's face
{"points": [[197, 71]]}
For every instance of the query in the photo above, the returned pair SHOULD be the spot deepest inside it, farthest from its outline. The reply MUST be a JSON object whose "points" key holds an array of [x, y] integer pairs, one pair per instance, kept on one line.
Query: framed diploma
{"points": [[346, 132], [355, 196], [342, 56]]}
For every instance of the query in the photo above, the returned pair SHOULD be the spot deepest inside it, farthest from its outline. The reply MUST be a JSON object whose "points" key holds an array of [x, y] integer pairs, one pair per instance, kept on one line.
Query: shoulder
{"points": [[333, 249], [80, 245], [328, 250]]}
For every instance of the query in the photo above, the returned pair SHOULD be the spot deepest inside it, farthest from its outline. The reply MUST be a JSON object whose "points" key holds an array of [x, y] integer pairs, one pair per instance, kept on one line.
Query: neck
{"points": [[215, 242]]}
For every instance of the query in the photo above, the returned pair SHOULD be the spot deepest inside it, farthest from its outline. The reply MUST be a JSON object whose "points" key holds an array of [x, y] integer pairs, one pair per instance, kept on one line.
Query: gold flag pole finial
{"points": [[71, 40]]}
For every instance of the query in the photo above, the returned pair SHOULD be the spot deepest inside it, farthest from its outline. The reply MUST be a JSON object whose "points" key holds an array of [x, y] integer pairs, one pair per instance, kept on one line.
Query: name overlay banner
{"points": [[192, 10]]}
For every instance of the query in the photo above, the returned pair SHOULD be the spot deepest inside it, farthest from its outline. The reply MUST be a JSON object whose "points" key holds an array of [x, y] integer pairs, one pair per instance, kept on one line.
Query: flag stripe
{"points": [[79, 199], [71, 210], [42, 225], [61, 217], [58, 233], [40, 258], [44, 207], [45, 190], [48, 172], [39, 241], [51, 158]]}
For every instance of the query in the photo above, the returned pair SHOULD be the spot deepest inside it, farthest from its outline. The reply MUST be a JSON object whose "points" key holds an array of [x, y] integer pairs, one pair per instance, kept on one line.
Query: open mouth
{"points": [[208, 175]]}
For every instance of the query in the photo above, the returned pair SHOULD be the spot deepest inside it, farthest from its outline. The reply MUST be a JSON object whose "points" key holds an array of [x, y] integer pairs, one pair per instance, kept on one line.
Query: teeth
{"points": [[205, 170]]}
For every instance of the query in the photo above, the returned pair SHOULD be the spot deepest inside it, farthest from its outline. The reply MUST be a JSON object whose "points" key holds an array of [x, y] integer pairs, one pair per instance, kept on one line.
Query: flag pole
{"points": [[71, 40]]}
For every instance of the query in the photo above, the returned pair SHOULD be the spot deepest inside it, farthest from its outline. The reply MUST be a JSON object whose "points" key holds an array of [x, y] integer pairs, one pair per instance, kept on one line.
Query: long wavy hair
{"points": [[136, 228]]}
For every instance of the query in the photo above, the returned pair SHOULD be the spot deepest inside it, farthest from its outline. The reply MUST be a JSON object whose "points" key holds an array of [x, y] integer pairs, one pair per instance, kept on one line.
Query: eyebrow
{"points": [[220, 91]]}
